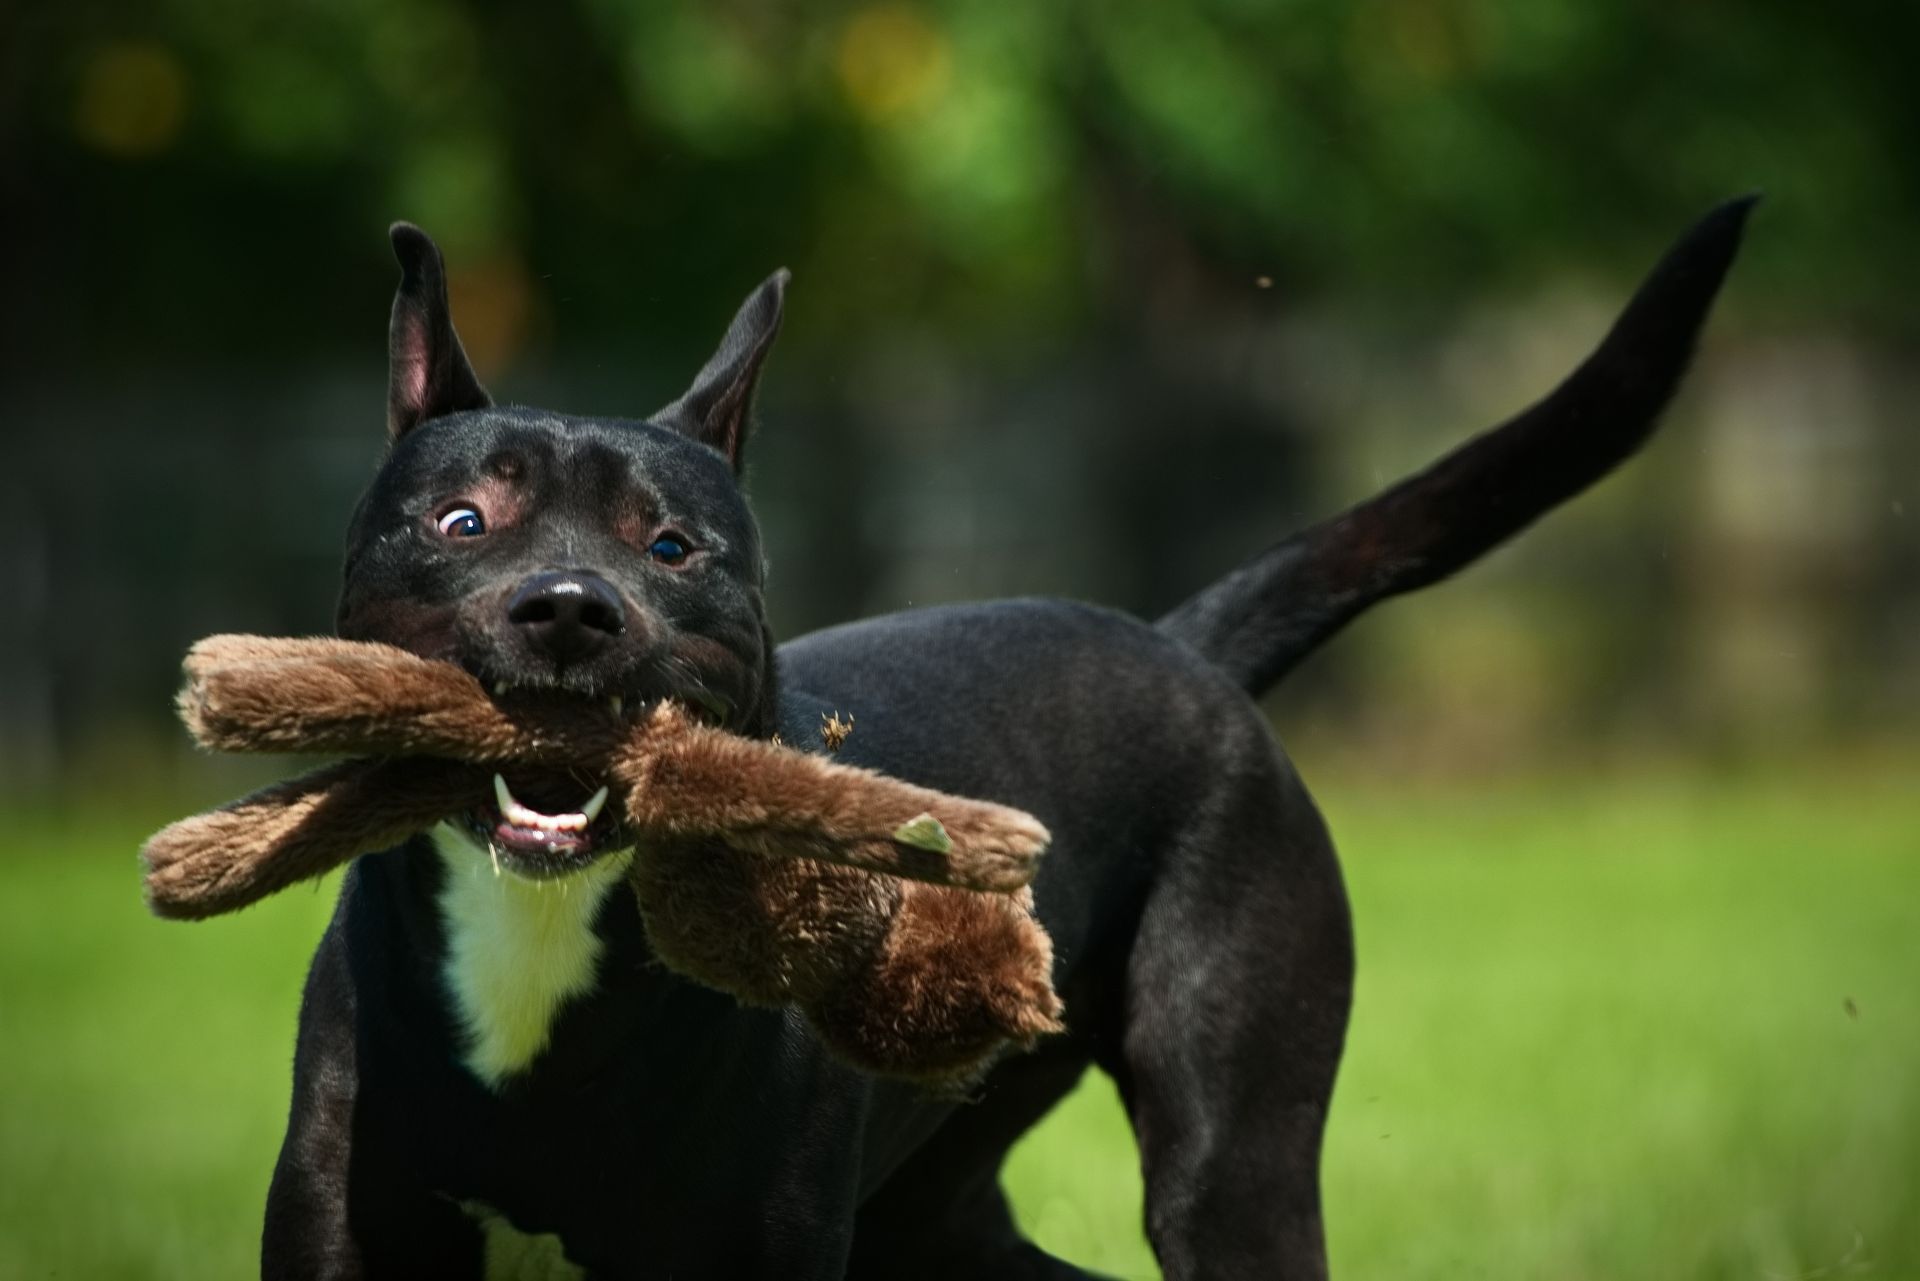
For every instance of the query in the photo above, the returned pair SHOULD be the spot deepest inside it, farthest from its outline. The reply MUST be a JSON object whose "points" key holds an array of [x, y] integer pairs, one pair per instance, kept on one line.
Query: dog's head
{"points": [[563, 557]]}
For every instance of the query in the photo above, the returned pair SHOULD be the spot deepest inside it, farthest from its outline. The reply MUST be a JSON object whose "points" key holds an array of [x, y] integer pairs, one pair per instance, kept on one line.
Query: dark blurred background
{"points": [[1088, 300]]}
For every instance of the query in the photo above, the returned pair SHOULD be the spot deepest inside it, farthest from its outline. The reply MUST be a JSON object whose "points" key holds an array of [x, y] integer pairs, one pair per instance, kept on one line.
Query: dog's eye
{"points": [[462, 522], [668, 549]]}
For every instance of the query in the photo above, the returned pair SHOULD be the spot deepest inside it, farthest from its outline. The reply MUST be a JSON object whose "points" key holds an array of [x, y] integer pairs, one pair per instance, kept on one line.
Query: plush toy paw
{"points": [[958, 978]]}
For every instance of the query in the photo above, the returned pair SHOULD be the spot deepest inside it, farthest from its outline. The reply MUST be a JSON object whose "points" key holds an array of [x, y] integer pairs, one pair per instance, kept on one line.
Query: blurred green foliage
{"points": [[195, 174], [1090, 299], [1649, 1025]]}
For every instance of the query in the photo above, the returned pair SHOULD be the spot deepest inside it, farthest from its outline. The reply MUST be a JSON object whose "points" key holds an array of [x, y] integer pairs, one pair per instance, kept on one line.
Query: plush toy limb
{"points": [[687, 779], [804, 810], [959, 977], [227, 858], [683, 778], [317, 694]]}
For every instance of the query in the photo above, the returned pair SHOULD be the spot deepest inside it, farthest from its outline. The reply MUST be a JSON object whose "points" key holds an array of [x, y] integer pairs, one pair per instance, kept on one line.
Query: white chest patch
{"points": [[517, 950]]}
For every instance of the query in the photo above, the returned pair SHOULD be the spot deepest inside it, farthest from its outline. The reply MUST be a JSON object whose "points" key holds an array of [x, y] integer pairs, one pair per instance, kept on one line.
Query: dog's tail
{"points": [[1268, 614]]}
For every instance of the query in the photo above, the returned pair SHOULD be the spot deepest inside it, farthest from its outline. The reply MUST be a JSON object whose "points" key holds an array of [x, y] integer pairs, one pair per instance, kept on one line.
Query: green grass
{"points": [[1602, 1030]]}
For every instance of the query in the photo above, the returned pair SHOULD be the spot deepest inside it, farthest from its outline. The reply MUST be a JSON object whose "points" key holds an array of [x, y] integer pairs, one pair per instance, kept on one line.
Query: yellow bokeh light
{"points": [[891, 58], [131, 99]]}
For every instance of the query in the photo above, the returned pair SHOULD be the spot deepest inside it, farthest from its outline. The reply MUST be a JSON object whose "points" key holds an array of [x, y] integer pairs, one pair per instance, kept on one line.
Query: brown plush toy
{"points": [[894, 916]]}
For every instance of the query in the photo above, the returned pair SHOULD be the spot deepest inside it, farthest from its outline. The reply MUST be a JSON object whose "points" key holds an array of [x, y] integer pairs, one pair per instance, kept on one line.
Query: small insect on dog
{"points": [[492, 1074]]}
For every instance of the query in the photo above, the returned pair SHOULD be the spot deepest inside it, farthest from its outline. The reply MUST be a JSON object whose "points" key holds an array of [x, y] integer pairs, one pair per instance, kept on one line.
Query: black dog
{"points": [[490, 1065]]}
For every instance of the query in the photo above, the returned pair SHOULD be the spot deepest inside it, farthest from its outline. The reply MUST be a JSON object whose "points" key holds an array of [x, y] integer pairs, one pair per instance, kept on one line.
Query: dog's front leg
{"points": [[306, 1232], [337, 1209]]}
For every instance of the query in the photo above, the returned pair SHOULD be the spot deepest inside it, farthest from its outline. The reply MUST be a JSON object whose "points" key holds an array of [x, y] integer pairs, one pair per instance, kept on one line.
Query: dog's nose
{"points": [[568, 614]]}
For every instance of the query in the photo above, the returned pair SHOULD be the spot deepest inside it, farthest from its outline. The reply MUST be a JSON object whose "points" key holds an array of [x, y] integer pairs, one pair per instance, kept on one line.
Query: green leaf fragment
{"points": [[926, 833]]}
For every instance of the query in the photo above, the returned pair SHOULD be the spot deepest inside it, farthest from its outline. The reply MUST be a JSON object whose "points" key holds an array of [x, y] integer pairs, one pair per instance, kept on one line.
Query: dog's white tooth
{"points": [[499, 688], [512, 810], [520, 815], [616, 704]]}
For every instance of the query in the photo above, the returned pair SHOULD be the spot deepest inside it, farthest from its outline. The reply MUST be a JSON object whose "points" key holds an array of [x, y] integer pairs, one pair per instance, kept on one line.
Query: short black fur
{"points": [[1202, 936]]}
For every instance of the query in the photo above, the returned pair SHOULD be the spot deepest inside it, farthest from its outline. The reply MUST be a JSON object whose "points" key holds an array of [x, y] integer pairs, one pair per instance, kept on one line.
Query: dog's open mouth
{"points": [[544, 823], [550, 821]]}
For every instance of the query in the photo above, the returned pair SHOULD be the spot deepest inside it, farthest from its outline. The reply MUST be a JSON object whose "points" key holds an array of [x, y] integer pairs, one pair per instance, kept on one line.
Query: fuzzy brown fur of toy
{"points": [[895, 916]]}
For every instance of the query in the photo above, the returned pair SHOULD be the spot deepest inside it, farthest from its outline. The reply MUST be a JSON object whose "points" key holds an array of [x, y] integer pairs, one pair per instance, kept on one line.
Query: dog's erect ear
{"points": [[427, 370], [714, 410]]}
